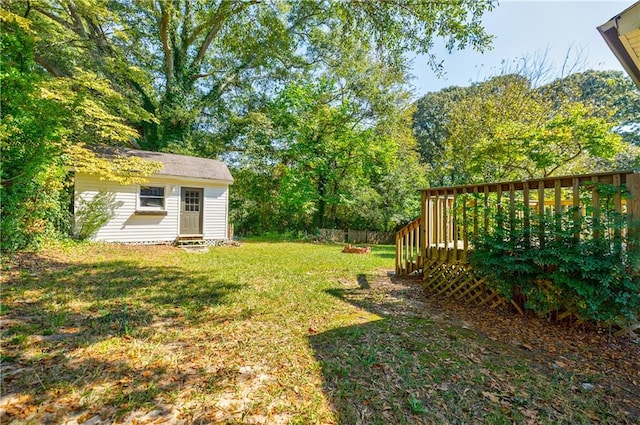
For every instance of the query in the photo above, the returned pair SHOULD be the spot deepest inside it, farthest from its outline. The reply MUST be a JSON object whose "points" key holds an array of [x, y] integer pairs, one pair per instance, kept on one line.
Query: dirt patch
{"points": [[594, 356]]}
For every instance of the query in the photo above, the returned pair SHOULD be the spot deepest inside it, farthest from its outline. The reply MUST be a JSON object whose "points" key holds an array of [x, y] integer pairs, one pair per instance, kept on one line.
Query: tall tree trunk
{"points": [[322, 203]]}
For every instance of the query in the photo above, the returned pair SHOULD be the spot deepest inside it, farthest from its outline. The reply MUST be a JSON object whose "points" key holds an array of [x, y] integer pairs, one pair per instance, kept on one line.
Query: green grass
{"points": [[275, 332]]}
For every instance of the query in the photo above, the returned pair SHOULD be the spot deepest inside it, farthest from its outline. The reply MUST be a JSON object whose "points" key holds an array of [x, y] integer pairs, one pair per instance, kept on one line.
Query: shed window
{"points": [[152, 197]]}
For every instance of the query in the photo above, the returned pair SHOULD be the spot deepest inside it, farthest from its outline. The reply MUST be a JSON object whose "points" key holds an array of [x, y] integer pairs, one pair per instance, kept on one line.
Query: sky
{"points": [[528, 29]]}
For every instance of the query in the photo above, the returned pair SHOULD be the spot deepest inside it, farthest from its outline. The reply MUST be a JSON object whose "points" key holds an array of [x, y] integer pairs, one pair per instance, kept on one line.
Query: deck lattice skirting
{"points": [[438, 243], [456, 280]]}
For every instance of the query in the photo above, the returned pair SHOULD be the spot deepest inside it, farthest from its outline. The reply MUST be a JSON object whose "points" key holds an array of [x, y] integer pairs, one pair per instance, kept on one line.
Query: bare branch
{"points": [[53, 17], [78, 26], [567, 161], [216, 26], [221, 15]]}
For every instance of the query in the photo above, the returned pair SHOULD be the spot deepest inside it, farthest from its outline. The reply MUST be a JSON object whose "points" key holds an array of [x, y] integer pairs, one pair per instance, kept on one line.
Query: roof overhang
{"points": [[622, 34]]}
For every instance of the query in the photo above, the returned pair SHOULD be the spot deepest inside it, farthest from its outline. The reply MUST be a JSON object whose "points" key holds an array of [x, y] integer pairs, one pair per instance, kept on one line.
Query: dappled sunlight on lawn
{"points": [[120, 333], [262, 333]]}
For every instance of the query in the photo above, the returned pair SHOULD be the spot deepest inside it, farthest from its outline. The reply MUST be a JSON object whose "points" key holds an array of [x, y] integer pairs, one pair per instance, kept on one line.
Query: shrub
{"points": [[567, 267], [92, 215]]}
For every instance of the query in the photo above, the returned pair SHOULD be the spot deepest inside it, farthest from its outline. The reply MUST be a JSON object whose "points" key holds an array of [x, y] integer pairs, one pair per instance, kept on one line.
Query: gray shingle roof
{"points": [[174, 165]]}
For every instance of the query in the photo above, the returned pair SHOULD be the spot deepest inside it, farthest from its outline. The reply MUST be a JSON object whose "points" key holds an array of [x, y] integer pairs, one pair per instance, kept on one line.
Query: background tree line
{"points": [[508, 128], [306, 101]]}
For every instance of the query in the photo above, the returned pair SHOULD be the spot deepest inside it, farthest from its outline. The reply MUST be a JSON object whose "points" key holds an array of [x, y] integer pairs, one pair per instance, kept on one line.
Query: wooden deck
{"points": [[438, 243], [453, 216]]}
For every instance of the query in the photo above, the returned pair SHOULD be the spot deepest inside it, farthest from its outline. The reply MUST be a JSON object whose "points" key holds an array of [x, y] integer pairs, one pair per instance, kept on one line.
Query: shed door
{"points": [[191, 211]]}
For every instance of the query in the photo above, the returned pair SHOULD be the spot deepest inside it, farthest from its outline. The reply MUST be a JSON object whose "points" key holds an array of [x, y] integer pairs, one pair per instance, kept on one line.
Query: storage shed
{"points": [[185, 202]]}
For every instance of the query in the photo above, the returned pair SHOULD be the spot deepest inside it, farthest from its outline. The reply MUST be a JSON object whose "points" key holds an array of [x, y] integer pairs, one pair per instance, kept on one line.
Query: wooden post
{"points": [[576, 209], [526, 213], [398, 255], [475, 212], [558, 206], [454, 225], [486, 210], [512, 209], [445, 224], [436, 224], [541, 217], [617, 206], [633, 210], [424, 235], [499, 217], [595, 204], [410, 243], [465, 226]]}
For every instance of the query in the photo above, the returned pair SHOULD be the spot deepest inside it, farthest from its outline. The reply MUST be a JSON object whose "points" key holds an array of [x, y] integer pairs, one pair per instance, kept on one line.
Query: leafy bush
{"points": [[566, 267], [92, 215]]}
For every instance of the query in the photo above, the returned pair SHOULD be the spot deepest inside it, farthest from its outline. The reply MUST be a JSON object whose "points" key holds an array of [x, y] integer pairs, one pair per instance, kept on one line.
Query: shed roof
{"points": [[622, 34], [174, 165]]}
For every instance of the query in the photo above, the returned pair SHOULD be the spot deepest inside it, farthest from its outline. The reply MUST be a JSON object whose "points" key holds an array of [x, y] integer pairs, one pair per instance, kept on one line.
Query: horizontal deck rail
{"points": [[454, 216]]}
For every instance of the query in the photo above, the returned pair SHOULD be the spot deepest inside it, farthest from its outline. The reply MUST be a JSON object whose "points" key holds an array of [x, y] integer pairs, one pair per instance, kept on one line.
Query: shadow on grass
{"points": [[375, 372], [362, 282], [385, 254], [62, 309], [411, 367]]}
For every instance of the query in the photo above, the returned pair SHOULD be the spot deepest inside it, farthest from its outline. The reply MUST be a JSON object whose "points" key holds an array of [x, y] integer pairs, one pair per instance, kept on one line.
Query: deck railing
{"points": [[409, 257], [452, 217]]}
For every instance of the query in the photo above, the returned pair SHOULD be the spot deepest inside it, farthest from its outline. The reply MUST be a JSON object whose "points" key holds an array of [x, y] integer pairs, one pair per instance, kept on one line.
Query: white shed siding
{"points": [[125, 225], [215, 212]]}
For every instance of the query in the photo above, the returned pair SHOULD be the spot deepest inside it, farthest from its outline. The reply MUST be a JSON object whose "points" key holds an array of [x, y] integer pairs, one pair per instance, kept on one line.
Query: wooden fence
{"points": [[357, 236]]}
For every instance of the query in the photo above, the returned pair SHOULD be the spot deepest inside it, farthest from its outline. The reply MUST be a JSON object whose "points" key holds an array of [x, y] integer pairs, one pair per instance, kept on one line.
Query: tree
{"points": [[43, 122], [30, 132], [314, 160], [506, 129], [397, 184], [474, 150], [569, 141], [610, 94], [189, 64], [431, 122]]}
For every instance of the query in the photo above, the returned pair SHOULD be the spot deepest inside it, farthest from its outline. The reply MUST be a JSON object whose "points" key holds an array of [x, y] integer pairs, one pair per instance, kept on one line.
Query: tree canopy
{"points": [[505, 128], [186, 66], [212, 78]]}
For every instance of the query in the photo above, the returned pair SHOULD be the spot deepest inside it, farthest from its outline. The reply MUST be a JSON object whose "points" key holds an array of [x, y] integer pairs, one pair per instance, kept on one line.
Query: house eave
{"points": [[192, 179], [621, 34]]}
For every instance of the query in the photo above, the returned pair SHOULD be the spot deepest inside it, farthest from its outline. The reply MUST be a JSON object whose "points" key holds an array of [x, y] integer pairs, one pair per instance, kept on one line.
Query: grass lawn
{"points": [[263, 333]]}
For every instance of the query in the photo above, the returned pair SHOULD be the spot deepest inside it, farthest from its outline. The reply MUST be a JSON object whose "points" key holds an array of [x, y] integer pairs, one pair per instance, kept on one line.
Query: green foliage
{"points": [[610, 93], [121, 169], [93, 214], [311, 163], [186, 76], [585, 265], [509, 130], [43, 121], [186, 68], [30, 139], [431, 126]]}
